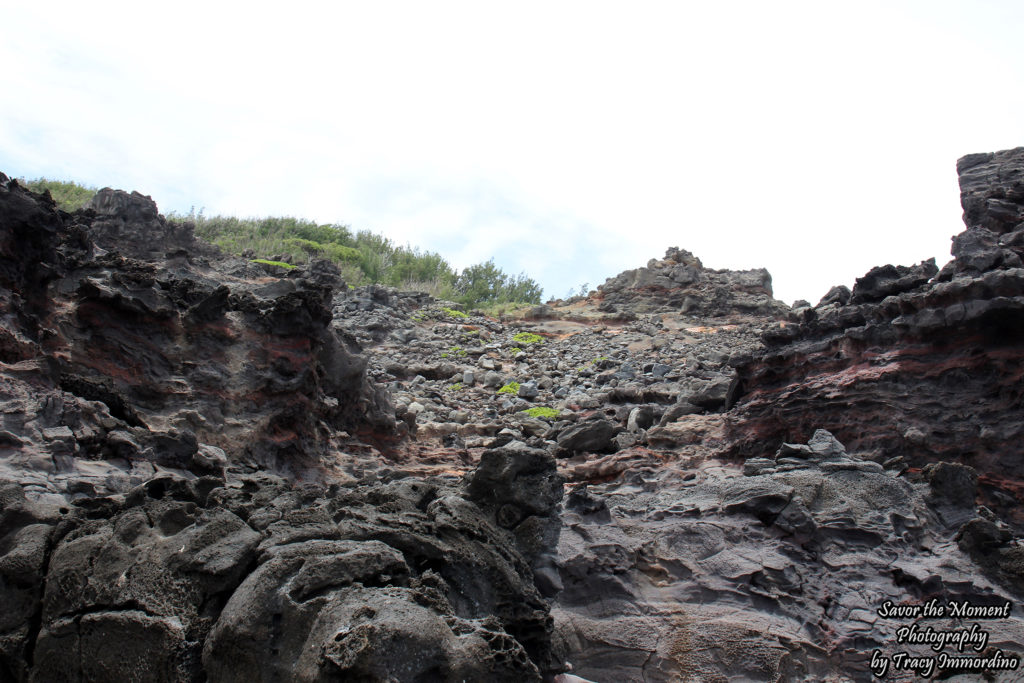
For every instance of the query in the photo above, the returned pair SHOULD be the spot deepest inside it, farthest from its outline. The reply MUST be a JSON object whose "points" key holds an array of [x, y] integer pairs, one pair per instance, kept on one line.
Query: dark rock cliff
{"points": [[913, 363], [151, 352]]}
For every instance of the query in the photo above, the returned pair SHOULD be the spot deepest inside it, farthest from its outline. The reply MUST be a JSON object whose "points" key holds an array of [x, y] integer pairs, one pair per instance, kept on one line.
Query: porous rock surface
{"points": [[219, 470]]}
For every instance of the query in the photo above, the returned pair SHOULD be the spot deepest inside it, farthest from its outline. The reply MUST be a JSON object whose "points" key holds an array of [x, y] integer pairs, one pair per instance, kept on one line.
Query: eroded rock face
{"points": [[773, 574], [992, 190], [911, 367], [145, 353], [256, 579], [131, 225]]}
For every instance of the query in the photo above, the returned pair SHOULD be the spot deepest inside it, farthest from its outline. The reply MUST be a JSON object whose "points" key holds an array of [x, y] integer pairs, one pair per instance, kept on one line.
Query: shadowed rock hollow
{"points": [[218, 470]]}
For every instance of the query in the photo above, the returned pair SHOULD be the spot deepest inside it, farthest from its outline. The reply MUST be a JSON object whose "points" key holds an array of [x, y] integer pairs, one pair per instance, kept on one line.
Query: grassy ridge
{"points": [[364, 257], [69, 196]]}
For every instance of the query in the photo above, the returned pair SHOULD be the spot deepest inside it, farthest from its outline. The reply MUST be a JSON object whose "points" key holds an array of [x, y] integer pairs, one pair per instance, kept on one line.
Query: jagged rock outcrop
{"points": [[916, 364], [680, 283], [131, 225], [992, 190], [162, 360]]}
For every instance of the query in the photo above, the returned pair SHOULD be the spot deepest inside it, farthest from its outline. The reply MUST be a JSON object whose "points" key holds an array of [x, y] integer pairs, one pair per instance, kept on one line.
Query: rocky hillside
{"points": [[215, 470]]}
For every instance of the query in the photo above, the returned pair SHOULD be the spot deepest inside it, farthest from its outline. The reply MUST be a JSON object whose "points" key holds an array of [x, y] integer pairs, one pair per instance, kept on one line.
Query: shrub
{"points": [[341, 253], [528, 338], [542, 411], [308, 246], [452, 313], [510, 388], [487, 283]]}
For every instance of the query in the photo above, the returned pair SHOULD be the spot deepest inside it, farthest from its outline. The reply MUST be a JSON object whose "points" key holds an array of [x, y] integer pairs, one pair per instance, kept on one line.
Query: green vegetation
{"points": [[510, 388], [456, 351], [592, 361], [365, 258], [69, 196], [514, 350], [542, 411], [528, 338], [486, 283], [280, 264], [455, 387]]}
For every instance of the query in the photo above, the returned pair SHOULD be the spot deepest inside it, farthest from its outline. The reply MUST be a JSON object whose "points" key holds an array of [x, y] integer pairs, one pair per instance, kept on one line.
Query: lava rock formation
{"points": [[213, 469]]}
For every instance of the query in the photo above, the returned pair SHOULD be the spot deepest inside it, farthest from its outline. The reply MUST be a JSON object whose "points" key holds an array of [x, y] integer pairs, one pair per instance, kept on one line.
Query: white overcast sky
{"points": [[569, 140]]}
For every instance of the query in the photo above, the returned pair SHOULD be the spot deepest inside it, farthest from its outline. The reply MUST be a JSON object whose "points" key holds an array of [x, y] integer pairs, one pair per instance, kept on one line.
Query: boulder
{"points": [[589, 435]]}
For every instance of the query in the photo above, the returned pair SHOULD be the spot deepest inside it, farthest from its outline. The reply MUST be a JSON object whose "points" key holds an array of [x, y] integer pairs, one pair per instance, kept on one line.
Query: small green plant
{"points": [[456, 351], [452, 313], [455, 387], [528, 338], [514, 350], [592, 361], [510, 388], [542, 411], [280, 264]]}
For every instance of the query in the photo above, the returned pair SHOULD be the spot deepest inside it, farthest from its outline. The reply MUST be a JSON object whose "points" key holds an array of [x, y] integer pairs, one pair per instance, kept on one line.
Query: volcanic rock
{"points": [[680, 282], [925, 370], [992, 190], [216, 470], [710, 574], [591, 435]]}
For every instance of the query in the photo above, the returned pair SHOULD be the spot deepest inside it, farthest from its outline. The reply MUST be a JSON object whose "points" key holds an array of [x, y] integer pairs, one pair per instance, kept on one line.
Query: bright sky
{"points": [[569, 140]]}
